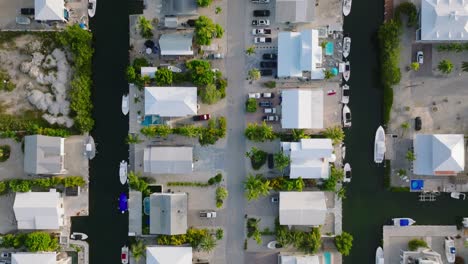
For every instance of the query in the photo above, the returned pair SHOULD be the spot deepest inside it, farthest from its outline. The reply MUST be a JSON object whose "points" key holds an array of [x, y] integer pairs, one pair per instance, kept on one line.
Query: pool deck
{"points": [[135, 212]]}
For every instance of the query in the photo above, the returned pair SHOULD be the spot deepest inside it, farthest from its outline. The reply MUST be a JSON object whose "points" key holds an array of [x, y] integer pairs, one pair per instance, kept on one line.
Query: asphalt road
{"points": [[235, 149]]}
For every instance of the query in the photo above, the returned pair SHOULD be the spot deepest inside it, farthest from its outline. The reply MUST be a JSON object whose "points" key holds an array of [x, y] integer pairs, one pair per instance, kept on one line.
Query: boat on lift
{"points": [[379, 145]]}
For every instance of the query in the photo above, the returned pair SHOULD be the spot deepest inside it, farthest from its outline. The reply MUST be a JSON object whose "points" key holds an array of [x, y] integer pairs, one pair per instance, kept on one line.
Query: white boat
{"points": [[78, 236], [346, 116], [458, 195], [450, 250], [125, 107], [465, 222], [343, 152], [124, 255], [346, 7], [347, 71], [347, 173], [92, 7], [379, 256], [345, 94], [174, 68], [403, 221], [379, 145], [123, 172], [346, 46]]}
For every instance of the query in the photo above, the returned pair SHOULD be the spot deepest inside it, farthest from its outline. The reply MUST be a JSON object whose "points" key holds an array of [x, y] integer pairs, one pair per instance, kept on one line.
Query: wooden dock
{"points": [[388, 10]]}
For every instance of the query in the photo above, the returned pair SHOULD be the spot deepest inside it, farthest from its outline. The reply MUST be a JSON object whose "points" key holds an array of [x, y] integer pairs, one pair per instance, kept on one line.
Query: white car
{"points": [[268, 95], [208, 214], [269, 110], [420, 57], [261, 31], [262, 40], [254, 95], [260, 22]]}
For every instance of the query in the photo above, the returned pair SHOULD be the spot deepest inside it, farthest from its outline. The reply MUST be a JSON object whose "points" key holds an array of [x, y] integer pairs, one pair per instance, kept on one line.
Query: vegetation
{"points": [[4, 152], [256, 186], [335, 133], [138, 183], [328, 74], [221, 195], [130, 74], [253, 231], [308, 242], [251, 105], [286, 184], [146, 29], [408, 9], [259, 133], [138, 250], [254, 74], [414, 66], [344, 243], [298, 134], [156, 130], [204, 3], [445, 66], [163, 77], [199, 239], [250, 50], [20, 185], [219, 233], [206, 30], [257, 157], [414, 244], [216, 179], [221, 85], [213, 180], [218, 10], [405, 126], [464, 66], [270, 84], [34, 242], [281, 161], [336, 175], [457, 47], [5, 82], [410, 156], [200, 72], [133, 139], [210, 94]]}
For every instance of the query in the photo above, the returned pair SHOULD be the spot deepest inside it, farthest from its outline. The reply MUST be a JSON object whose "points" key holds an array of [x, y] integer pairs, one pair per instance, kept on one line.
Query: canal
{"points": [[368, 206]]}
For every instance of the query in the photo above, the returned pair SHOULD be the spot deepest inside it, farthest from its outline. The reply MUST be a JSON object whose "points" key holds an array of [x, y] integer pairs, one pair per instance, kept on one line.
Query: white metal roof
{"points": [[171, 101], [302, 208], [168, 255], [302, 108], [176, 44], [438, 155], [44, 154], [168, 160], [291, 259], [34, 258], [295, 11], [168, 213], [49, 10], [39, 210], [444, 20], [148, 71]]}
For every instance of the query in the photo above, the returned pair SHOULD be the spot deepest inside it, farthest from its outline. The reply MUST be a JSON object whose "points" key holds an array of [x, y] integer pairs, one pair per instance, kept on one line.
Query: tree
{"points": [[415, 66], [408, 9], [138, 63], [131, 74], [328, 74], [298, 134], [146, 29], [251, 105], [281, 161], [219, 233], [200, 72], [207, 243], [414, 244], [218, 10], [138, 250], [335, 133], [133, 139], [257, 157], [256, 186], [204, 3], [250, 50], [310, 242], [209, 94], [445, 66], [206, 30], [344, 243], [405, 126], [219, 31], [410, 156], [163, 77], [136, 182], [40, 241], [259, 133], [465, 66], [254, 74]]}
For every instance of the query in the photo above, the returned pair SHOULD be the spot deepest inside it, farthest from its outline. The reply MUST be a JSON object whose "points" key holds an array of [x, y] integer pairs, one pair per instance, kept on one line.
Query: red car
{"points": [[201, 117]]}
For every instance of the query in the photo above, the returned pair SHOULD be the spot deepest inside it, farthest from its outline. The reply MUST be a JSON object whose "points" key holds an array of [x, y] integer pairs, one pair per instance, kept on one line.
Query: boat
{"points": [[123, 203], [458, 195], [346, 46], [379, 256], [123, 172], [274, 245], [346, 116], [403, 221], [347, 71], [343, 152], [125, 104], [345, 94], [78, 236], [346, 7], [174, 68], [124, 255], [379, 145], [92, 8], [331, 92], [450, 249], [347, 173]]}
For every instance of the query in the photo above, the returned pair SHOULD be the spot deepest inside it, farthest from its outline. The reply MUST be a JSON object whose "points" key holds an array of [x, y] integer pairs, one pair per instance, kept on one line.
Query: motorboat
{"points": [[379, 145], [458, 195], [347, 173], [465, 222], [347, 71], [92, 7], [379, 256], [123, 203], [346, 7], [346, 46], [174, 68], [346, 116], [274, 245], [450, 250], [123, 172], [331, 92], [124, 255], [343, 152], [403, 221], [125, 104], [345, 94], [78, 236]]}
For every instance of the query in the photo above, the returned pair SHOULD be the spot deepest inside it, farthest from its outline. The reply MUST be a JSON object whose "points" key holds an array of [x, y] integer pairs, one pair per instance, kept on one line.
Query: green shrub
{"points": [[17, 185], [344, 243], [200, 72], [221, 195], [41, 241], [131, 74], [206, 30], [209, 94], [221, 85], [414, 244], [408, 9], [163, 77], [204, 3], [251, 105], [387, 103], [257, 157], [281, 161], [219, 233], [335, 133], [156, 130], [4, 153], [138, 63], [146, 29], [270, 84], [259, 133], [138, 183]]}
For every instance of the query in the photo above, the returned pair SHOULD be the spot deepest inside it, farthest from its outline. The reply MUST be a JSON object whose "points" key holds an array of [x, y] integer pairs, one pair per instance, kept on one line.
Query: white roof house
{"points": [[168, 255], [39, 210], [44, 154], [309, 158], [176, 44], [34, 258], [168, 160], [148, 71], [295, 11], [439, 155], [302, 208], [297, 259], [171, 101], [300, 52], [49, 10], [168, 213], [302, 108], [443, 20]]}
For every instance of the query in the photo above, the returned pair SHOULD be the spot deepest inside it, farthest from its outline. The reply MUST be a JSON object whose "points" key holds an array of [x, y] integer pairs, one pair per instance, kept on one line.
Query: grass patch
{"points": [[4, 153]]}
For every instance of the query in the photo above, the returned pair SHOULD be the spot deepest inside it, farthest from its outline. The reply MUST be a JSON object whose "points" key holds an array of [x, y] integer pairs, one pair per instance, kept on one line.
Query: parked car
{"points": [[271, 161], [201, 117], [27, 11], [262, 40], [417, 123], [254, 95], [260, 1], [207, 214], [271, 118], [216, 56], [269, 110], [265, 104], [191, 22], [269, 56], [5, 255], [260, 22], [420, 57], [268, 95], [261, 13], [275, 199], [266, 72], [261, 31], [268, 64]]}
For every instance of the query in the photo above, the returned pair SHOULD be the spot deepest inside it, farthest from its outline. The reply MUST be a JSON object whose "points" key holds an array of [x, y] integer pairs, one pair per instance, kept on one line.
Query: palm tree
{"points": [[256, 186], [133, 139], [207, 243], [250, 50], [465, 66], [138, 250], [335, 133], [405, 126], [410, 156], [445, 66]]}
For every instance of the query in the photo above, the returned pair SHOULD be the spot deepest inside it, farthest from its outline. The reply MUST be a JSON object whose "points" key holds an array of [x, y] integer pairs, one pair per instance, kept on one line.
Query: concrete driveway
{"points": [[425, 69]]}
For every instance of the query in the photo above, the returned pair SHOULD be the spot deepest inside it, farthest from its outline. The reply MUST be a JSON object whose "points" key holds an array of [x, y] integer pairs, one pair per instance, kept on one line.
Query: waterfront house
{"points": [[302, 208], [302, 109], [168, 160], [168, 255], [176, 44], [44, 155], [170, 101], [300, 55], [439, 154], [148, 71], [295, 11], [443, 20], [179, 7], [35, 258], [310, 158], [49, 10], [39, 210], [168, 213], [291, 258]]}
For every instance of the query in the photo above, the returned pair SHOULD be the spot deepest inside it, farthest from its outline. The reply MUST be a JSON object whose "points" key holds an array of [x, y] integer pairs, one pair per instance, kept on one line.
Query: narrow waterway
{"points": [[368, 206]]}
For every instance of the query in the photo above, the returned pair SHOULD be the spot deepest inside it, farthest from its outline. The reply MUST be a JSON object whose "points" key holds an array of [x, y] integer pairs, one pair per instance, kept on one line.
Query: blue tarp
{"points": [[417, 185], [123, 202], [404, 222]]}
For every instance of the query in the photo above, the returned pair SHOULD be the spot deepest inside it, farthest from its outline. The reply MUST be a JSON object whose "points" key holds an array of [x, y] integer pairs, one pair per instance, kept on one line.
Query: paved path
{"points": [[235, 149]]}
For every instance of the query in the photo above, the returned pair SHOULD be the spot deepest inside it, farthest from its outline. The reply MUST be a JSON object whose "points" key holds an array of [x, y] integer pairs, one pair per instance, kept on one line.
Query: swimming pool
{"points": [[329, 48], [327, 257], [146, 205]]}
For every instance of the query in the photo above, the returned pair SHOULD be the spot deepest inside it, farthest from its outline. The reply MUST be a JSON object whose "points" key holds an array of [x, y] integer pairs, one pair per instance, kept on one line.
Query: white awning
{"points": [[49, 10]]}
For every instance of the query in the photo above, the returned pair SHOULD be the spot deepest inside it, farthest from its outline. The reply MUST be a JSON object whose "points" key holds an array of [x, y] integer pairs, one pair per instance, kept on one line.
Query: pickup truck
{"points": [[261, 31], [208, 214], [262, 40]]}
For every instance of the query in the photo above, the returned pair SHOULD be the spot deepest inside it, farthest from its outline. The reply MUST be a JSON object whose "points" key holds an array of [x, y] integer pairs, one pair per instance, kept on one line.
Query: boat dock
{"points": [[388, 10], [428, 196]]}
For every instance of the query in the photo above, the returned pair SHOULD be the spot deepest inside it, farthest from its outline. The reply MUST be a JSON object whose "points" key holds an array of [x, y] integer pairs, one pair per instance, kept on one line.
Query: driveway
{"points": [[425, 69]]}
